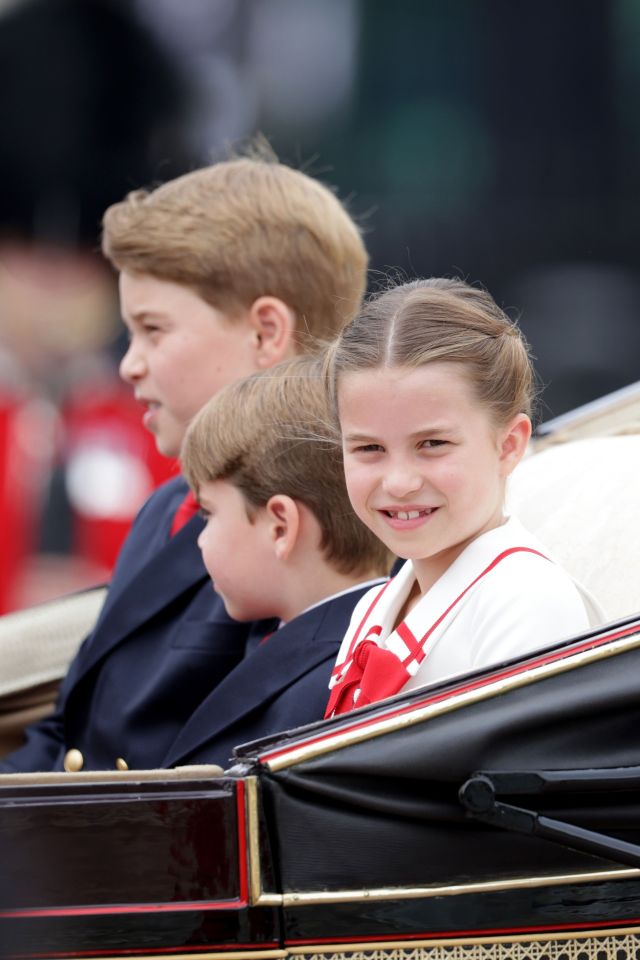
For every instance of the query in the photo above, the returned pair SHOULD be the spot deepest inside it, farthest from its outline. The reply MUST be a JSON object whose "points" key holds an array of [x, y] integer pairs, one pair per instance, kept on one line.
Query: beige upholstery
{"points": [[616, 414], [36, 647], [195, 772], [581, 498]]}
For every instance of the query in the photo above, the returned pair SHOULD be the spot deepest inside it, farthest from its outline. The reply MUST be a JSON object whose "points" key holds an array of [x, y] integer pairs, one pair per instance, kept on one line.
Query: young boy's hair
{"points": [[241, 229], [270, 434]]}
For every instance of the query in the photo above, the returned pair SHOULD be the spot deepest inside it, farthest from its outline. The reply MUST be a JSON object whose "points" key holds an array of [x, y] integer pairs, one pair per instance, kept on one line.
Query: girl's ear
{"points": [[274, 325], [513, 442], [283, 519]]}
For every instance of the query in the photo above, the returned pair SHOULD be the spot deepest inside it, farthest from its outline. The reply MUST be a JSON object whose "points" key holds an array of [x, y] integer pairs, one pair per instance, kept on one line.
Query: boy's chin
{"points": [[167, 446], [242, 614], [239, 615]]}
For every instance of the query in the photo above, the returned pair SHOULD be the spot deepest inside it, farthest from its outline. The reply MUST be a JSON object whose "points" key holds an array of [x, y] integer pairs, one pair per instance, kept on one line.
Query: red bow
{"points": [[374, 671]]}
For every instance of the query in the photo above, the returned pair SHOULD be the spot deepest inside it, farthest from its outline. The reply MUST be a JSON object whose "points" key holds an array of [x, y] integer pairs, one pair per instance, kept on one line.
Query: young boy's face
{"points": [[237, 552], [181, 352]]}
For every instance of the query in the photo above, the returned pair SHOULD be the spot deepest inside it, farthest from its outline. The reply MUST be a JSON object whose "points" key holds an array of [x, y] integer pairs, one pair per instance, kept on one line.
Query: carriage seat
{"points": [[581, 499], [36, 646]]}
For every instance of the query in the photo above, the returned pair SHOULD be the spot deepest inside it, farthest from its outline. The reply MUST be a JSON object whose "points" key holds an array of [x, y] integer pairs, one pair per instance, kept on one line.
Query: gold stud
{"points": [[73, 761]]}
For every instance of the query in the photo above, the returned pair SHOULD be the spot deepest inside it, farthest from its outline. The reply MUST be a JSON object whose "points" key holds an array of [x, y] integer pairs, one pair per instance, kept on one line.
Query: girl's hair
{"points": [[440, 320]]}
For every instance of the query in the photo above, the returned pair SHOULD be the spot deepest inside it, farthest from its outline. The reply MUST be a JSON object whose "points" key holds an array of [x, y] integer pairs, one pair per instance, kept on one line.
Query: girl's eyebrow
{"points": [[432, 428], [358, 437]]}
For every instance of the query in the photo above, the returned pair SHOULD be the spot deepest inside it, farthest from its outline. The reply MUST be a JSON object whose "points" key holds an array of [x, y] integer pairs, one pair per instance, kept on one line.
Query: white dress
{"points": [[502, 597]]}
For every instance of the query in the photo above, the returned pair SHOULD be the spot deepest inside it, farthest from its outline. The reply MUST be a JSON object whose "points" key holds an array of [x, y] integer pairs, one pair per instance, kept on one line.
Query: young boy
{"points": [[280, 540], [223, 272]]}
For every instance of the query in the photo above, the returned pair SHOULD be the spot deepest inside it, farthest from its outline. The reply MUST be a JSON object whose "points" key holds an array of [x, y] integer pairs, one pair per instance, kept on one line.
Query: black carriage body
{"points": [[103, 869], [348, 839]]}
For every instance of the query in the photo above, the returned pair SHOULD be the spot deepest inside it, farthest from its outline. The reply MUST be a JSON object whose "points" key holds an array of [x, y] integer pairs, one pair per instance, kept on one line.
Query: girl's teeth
{"points": [[409, 514]]}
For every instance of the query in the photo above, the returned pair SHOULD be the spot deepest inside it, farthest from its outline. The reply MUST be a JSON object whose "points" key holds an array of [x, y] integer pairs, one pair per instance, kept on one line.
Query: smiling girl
{"points": [[433, 388]]}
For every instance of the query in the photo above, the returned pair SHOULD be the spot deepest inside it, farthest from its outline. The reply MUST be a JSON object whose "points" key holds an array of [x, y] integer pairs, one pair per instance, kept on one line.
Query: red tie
{"points": [[185, 511]]}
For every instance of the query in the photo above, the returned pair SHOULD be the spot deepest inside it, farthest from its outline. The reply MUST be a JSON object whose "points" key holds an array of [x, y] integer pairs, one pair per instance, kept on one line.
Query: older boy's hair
{"points": [[241, 229], [270, 434]]}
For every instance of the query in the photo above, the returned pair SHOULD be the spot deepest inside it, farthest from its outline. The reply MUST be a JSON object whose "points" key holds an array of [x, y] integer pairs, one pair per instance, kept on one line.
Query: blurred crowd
{"points": [[91, 106]]}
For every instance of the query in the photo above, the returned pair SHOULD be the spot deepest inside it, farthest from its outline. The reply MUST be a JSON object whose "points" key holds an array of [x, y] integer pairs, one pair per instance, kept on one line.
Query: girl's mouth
{"points": [[409, 514], [407, 519]]}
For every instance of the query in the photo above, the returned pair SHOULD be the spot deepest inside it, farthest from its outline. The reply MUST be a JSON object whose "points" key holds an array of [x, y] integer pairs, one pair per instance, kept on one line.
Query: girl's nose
{"points": [[402, 480], [132, 365]]}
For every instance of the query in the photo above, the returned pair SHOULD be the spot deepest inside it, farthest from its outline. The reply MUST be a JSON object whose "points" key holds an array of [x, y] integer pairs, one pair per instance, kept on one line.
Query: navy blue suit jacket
{"points": [[282, 683], [162, 643]]}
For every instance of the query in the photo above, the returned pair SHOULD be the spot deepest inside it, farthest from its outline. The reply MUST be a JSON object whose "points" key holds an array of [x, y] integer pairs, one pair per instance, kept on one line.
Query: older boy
{"points": [[280, 540], [225, 271]]}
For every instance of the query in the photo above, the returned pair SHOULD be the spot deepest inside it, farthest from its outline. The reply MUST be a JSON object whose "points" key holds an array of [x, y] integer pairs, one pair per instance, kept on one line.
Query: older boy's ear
{"points": [[274, 326], [514, 442], [283, 517]]}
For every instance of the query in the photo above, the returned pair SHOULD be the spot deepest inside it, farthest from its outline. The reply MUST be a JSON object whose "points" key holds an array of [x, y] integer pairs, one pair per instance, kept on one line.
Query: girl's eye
{"points": [[433, 444], [368, 448], [205, 514]]}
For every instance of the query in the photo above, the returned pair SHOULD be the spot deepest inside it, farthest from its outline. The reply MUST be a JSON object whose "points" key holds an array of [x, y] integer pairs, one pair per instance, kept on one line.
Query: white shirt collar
{"points": [[365, 585]]}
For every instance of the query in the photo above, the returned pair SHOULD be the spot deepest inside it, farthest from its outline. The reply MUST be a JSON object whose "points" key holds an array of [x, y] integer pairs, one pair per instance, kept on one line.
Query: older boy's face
{"points": [[181, 351]]}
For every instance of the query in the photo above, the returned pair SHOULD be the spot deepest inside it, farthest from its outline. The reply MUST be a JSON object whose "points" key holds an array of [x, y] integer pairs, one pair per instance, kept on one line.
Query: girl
{"points": [[433, 387]]}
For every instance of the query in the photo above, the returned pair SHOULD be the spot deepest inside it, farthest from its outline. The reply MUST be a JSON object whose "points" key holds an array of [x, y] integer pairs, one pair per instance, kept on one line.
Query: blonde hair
{"points": [[270, 434], [241, 229], [444, 320]]}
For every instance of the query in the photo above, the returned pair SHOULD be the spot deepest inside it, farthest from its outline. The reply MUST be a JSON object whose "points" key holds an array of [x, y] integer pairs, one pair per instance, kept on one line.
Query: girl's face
{"points": [[424, 463]]}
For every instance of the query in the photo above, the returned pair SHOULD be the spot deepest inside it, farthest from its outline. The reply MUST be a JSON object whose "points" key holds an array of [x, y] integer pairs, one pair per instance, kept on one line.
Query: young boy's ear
{"points": [[283, 518], [514, 440], [274, 325]]}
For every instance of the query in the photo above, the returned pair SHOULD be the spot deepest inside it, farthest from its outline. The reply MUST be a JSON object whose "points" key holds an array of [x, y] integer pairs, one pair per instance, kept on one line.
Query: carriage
{"points": [[494, 815]]}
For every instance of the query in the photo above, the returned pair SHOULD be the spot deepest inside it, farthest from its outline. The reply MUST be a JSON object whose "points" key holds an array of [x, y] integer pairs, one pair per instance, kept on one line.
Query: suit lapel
{"points": [[177, 566], [286, 656]]}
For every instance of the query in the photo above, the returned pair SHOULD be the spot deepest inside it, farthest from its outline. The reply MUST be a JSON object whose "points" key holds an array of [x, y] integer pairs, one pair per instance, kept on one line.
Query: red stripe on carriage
{"points": [[241, 813], [147, 951], [476, 932]]}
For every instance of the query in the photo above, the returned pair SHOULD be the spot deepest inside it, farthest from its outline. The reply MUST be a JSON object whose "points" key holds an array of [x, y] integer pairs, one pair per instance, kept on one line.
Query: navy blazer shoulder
{"points": [[282, 683], [162, 643]]}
